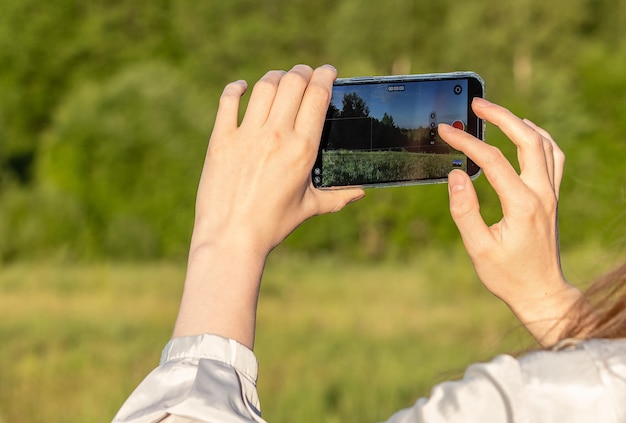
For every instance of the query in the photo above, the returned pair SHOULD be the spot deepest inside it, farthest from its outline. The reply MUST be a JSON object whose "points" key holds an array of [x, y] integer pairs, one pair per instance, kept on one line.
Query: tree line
{"points": [[106, 108]]}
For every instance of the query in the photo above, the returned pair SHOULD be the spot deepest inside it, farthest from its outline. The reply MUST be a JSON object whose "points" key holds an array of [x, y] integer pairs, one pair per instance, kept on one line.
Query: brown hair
{"points": [[601, 311]]}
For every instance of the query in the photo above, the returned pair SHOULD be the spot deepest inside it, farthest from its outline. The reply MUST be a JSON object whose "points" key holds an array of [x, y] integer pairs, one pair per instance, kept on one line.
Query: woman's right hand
{"points": [[517, 258]]}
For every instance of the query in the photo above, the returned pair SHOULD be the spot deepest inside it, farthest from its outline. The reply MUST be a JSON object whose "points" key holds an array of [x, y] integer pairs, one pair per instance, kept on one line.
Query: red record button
{"points": [[458, 124]]}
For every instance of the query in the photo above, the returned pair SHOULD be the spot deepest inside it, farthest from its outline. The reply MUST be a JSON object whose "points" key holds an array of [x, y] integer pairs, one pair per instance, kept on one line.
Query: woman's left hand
{"points": [[256, 184], [517, 258], [255, 190]]}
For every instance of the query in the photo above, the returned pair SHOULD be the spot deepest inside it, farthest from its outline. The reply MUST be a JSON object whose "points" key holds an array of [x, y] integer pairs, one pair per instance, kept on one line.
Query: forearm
{"points": [[221, 292]]}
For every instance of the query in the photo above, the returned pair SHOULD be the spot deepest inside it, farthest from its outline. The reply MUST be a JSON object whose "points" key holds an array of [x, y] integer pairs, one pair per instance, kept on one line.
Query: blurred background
{"points": [[105, 112]]}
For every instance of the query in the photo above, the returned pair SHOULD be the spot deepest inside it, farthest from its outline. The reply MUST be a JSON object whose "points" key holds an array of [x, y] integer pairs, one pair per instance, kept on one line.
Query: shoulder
{"points": [[581, 379], [578, 360], [580, 382]]}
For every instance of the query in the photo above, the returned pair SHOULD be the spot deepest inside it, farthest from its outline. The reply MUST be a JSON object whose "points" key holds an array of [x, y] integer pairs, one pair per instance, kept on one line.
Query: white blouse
{"points": [[208, 378]]}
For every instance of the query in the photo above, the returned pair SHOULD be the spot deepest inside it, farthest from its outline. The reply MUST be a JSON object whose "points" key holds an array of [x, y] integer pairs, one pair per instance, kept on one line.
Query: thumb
{"points": [[465, 209], [330, 201]]}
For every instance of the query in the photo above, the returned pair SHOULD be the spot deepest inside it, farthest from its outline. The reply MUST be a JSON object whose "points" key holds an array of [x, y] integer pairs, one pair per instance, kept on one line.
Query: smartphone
{"points": [[382, 131]]}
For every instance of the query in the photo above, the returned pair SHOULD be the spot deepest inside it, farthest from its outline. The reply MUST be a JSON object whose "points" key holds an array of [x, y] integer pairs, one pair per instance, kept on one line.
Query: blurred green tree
{"points": [[130, 152], [76, 72], [47, 48]]}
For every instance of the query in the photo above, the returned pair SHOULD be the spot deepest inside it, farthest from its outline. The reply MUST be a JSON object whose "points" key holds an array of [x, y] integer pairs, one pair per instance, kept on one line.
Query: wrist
{"points": [[548, 314], [221, 291]]}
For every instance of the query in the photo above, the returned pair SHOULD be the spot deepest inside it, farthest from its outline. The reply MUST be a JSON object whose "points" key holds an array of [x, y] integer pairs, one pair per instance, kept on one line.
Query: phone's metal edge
{"points": [[398, 184], [413, 77]]}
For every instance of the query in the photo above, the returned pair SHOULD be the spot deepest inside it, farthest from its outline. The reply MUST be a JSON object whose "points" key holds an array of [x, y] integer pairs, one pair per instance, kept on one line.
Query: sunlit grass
{"points": [[337, 341], [76, 339]]}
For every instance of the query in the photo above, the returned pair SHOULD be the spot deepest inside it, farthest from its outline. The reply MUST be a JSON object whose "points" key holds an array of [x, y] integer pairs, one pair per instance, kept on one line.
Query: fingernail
{"points": [[480, 102], [328, 65], [445, 127]]}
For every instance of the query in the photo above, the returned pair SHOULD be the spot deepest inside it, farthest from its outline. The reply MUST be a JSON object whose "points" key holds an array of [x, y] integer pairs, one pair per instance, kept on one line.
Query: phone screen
{"points": [[382, 131]]}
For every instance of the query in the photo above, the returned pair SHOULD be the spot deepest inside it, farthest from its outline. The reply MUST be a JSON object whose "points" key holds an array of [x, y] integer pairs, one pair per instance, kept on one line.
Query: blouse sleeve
{"points": [[583, 383], [212, 379], [209, 378], [200, 378], [489, 392]]}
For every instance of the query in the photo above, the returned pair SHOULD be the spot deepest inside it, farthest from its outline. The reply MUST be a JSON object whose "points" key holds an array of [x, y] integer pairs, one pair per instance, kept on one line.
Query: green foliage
{"points": [[42, 223], [46, 49], [130, 152], [75, 73], [596, 187]]}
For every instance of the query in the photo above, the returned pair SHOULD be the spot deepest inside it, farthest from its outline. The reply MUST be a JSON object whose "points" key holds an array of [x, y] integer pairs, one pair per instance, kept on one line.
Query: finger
{"points": [[539, 129], [289, 95], [530, 147], [310, 118], [465, 211], [228, 110], [547, 150], [559, 164], [557, 155], [330, 201], [262, 99], [501, 175]]}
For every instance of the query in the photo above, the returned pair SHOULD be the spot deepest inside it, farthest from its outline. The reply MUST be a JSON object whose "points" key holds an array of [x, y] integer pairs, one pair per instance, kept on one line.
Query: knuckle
{"points": [[460, 210], [302, 68], [533, 208], [226, 100], [265, 86], [296, 77], [462, 207], [535, 140], [318, 89], [301, 154], [552, 207], [492, 155], [319, 92], [548, 135], [531, 205]]}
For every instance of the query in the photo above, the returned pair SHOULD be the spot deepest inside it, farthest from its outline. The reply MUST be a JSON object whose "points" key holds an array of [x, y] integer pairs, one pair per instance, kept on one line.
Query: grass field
{"points": [[337, 342]]}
